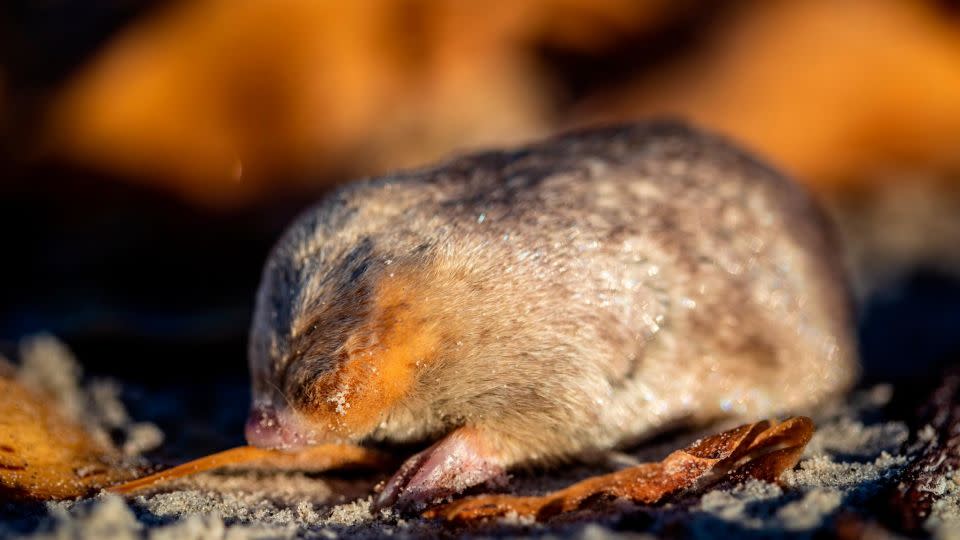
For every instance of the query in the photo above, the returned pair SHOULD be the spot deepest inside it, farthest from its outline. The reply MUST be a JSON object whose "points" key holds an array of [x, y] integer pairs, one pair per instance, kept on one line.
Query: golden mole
{"points": [[530, 305]]}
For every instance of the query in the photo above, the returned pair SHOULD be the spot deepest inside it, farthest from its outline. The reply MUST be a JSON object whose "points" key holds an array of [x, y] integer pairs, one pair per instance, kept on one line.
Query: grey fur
{"points": [[603, 285]]}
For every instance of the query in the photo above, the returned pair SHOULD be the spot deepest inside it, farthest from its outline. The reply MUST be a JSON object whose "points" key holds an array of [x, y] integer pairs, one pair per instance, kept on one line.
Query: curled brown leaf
{"points": [[761, 450]]}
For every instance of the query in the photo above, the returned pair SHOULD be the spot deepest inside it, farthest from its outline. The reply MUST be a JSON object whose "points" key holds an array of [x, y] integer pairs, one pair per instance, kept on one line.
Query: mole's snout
{"points": [[269, 428]]}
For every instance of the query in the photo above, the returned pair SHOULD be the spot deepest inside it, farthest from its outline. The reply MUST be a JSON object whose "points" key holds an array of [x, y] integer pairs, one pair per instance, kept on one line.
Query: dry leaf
{"points": [[44, 455], [920, 494], [762, 450], [314, 459]]}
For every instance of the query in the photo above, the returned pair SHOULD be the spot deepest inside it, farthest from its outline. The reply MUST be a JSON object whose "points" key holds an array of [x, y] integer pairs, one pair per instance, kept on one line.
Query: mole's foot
{"points": [[459, 461], [762, 450]]}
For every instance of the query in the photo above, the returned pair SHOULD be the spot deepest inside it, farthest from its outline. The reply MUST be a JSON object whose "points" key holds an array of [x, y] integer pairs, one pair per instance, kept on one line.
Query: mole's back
{"points": [[582, 291]]}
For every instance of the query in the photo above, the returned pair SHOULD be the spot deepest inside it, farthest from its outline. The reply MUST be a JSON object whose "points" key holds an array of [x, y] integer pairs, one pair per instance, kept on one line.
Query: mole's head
{"points": [[336, 345]]}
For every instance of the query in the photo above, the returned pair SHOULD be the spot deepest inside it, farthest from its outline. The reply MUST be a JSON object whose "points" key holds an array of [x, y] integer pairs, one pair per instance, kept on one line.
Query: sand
{"points": [[853, 457]]}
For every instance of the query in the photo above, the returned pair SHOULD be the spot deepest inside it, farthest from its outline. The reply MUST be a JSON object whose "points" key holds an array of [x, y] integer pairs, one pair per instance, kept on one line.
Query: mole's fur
{"points": [[529, 305]]}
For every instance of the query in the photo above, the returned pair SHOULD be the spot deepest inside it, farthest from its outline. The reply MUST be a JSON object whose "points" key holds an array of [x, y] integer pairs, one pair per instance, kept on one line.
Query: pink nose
{"points": [[267, 428]]}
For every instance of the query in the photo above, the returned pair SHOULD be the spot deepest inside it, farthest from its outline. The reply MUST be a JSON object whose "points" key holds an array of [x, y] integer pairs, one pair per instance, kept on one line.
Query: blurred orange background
{"points": [[224, 102], [152, 151]]}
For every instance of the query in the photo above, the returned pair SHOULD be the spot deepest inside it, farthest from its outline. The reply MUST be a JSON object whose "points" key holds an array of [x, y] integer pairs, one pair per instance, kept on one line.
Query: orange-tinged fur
{"points": [[382, 360]]}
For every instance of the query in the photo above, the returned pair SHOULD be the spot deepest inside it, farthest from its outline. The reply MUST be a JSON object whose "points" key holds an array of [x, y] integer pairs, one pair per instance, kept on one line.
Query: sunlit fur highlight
{"points": [[558, 299]]}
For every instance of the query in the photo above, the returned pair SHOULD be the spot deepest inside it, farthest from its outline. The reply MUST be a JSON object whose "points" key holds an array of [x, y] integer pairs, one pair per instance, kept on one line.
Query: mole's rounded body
{"points": [[530, 305]]}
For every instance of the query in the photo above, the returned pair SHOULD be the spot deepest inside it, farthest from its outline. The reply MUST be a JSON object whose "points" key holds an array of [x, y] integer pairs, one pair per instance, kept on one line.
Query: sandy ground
{"points": [[854, 455]]}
